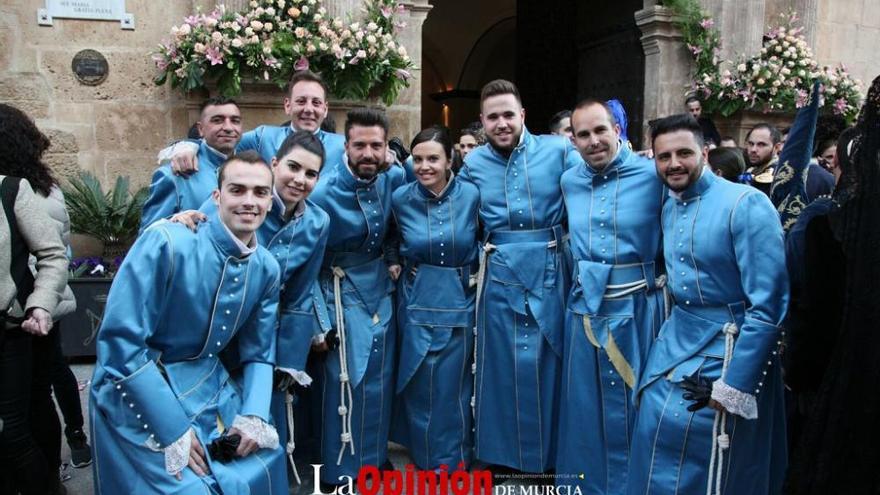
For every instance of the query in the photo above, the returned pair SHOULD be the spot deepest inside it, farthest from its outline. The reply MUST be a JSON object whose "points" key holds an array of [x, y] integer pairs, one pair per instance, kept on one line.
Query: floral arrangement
{"points": [[94, 267], [778, 78], [274, 38]]}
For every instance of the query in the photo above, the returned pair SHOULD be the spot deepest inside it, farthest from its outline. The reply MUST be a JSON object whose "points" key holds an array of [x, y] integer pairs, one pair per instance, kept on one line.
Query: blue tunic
{"points": [[723, 246], [614, 219], [357, 249], [153, 380], [521, 312], [436, 318], [171, 193], [267, 139]]}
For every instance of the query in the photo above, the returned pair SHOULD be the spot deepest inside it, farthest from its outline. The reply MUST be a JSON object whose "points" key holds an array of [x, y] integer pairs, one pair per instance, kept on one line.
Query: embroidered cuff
{"points": [[261, 432], [736, 402], [176, 454], [178, 148], [300, 377]]}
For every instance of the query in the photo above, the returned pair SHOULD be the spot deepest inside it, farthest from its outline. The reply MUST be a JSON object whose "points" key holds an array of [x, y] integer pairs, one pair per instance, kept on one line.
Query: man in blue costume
{"points": [[160, 396], [220, 128], [521, 305], [305, 104], [616, 304], [360, 264], [710, 412]]}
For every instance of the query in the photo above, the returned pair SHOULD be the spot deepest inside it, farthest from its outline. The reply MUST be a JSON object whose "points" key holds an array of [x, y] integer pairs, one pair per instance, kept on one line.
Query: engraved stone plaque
{"points": [[100, 10], [90, 67]]}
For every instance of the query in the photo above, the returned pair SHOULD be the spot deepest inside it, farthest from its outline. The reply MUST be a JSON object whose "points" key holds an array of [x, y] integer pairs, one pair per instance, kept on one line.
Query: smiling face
{"points": [[503, 117], [365, 147], [244, 197], [431, 165], [306, 106], [296, 174], [220, 125], [595, 135], [679, 159]]}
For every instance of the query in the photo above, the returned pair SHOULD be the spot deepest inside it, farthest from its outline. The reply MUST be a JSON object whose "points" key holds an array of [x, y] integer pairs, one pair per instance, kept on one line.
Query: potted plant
{"points": [[90, 279], [113, 218]]}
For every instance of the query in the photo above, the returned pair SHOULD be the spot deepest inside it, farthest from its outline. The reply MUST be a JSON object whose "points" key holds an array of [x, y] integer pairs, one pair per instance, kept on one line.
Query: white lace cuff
{"points": [[176, 454], [319, 338], [261, 432], [300, 377], [734, 401], [177, 148]]}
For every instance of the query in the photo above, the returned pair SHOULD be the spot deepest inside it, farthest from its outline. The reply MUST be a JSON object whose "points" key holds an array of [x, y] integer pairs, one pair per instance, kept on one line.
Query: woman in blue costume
{"points": [[437, 217], [160, 394]]}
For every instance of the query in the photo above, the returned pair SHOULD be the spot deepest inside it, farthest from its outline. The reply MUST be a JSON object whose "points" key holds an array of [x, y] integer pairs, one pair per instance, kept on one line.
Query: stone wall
{"points": [[117, 127], [848, 31]]}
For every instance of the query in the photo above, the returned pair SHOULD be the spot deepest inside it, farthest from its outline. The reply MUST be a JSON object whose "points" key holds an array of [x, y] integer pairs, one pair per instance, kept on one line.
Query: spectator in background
{"points": [[560, 123], [30, 443], [824, 153], [469, 140], [728, 142], [710, 132], [727, 163], [763, 143], [329, 123]]}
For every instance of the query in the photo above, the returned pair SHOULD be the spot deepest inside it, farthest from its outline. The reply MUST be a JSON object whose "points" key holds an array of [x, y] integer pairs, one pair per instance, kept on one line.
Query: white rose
{"points": [[199, 48], [216, 37], [268, 27], [372, 26], [254, 4], [361, 54], [237, 43], [281, 4], [236, 27], [185, 30], [257, 25], [760, 82], [305, 9], [371, 39], [248, 31], [270, 11], [777, 83], [260, 11], [741, 67]]}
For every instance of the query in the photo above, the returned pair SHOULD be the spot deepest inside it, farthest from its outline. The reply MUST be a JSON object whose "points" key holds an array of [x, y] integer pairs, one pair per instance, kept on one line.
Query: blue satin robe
{"points": [[435, 320], [267, 139], [171, 193], [723, 246], [361, 246], [181, 299], [614, 220], [521, 313]]}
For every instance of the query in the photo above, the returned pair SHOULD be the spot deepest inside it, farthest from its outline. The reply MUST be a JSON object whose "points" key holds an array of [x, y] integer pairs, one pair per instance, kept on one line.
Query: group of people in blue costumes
{"points": [[558, 306]]}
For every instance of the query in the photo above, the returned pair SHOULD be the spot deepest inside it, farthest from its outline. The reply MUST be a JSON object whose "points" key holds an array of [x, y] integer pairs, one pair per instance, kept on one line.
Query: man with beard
{"points": [[763, 143], [710, 417], [305, 104], [615, 308], [356, 282], [220, 128], [521, 301]]}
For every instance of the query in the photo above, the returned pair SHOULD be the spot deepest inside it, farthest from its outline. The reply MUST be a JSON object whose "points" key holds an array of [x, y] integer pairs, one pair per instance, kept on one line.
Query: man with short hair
{"points": [[356, 280], [306, 105], [220, 129], [763, 143], [560, 123], [710, 132], [521, 308], [710, 415], [616, 304], [161, 399]]}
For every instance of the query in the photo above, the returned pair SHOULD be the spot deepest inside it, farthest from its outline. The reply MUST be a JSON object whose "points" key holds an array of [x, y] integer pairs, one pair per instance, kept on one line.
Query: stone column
{"points": [[740, 24], [406, 113], [668, 64]]}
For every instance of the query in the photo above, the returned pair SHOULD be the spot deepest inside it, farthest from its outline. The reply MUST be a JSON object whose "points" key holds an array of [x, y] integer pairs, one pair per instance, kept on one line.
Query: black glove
{"points": [[332, 340], [223, 449], [698, 390]]}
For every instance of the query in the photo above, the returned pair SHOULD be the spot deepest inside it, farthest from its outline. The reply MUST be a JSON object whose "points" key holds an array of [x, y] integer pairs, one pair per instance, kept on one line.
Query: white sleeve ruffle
{"points": [[261, 432], [734, 401], [176, 454], [300, 377], [176, 148]]}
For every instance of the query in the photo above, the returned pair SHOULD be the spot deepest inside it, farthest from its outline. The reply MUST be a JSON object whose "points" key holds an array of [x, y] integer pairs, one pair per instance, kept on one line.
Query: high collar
{"points": [[225, 240], [623, 154], [349, 179], [447, 189], [279, 206], [215, 157], [319, 133], [698, 188], [524, 140]]}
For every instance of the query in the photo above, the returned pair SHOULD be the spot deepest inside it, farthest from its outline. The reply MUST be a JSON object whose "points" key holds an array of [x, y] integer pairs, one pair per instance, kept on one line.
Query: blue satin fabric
{"points": [[179, 300], [171, 193], [435, 321], [359, 243], [614, 219], [521, 316], [267, 139], [723, 246]]}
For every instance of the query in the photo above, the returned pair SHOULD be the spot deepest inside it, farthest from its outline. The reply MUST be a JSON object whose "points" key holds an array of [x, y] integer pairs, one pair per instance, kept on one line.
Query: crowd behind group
{"points": [[672, 320]]}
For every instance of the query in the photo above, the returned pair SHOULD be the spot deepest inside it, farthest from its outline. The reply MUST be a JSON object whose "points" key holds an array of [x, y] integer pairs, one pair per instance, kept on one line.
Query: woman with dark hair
{"points": [[844, 418], [824, 153], [437, 217], [36, 455]]}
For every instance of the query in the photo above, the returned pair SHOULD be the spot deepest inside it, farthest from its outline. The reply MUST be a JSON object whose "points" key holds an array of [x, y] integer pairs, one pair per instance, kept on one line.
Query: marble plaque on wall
{"points": [[98, 10]]}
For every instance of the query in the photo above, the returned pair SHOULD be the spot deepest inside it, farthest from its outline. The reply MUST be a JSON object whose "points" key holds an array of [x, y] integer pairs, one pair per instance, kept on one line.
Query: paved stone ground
{"points": [[80, 482]]}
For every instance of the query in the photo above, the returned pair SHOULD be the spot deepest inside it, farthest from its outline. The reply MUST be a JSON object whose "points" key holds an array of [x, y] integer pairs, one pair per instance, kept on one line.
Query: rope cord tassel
{"points": [[720, 439], [345, 393], [481, 282], [291, 444]]}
